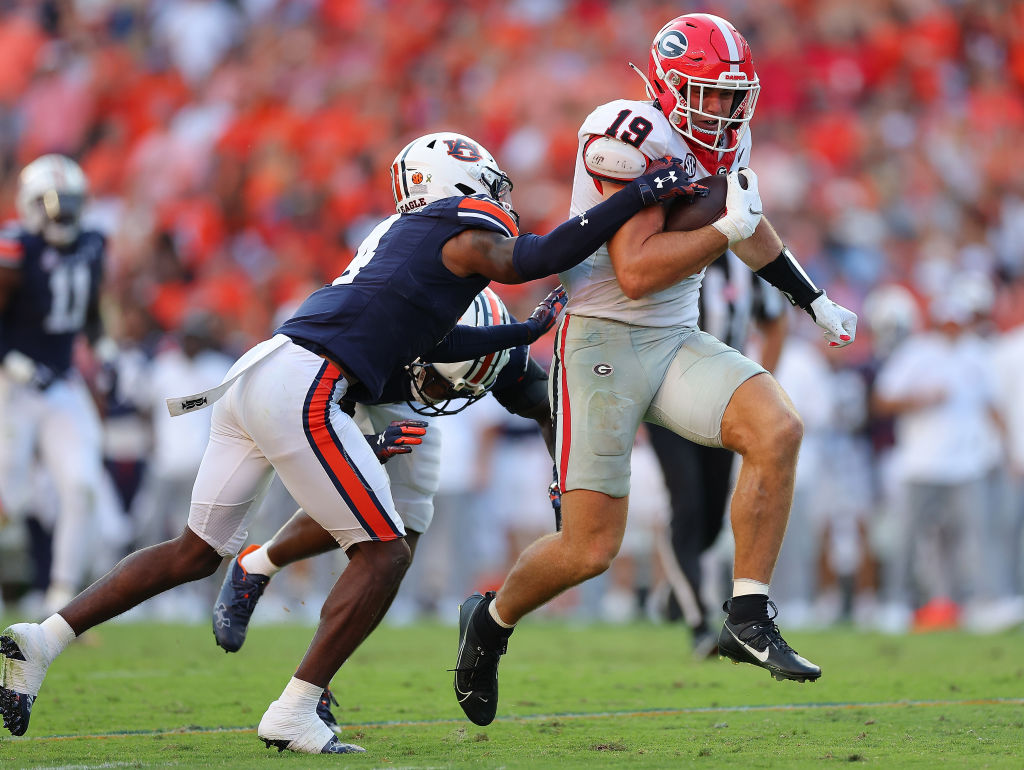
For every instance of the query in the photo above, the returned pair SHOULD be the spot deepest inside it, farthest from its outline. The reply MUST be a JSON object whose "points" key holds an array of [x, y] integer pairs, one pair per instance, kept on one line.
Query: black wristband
{"points": [[786, 275]]}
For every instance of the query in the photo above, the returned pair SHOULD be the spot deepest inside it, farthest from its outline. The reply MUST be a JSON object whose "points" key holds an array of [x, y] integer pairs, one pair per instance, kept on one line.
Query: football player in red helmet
{"points": [[701, 74], [629, 350]]}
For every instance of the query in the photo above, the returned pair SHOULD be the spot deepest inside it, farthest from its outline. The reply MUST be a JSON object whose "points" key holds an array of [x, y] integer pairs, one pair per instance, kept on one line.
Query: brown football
{"points": [[682, 214]]}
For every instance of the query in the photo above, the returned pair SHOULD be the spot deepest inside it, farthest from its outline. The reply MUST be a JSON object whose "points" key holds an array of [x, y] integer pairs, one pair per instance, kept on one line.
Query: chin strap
{"points": [[647, 83]]}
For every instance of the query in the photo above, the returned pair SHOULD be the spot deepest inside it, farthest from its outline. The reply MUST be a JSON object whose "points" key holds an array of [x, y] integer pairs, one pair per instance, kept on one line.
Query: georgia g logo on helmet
{"points": [[672, 44]]}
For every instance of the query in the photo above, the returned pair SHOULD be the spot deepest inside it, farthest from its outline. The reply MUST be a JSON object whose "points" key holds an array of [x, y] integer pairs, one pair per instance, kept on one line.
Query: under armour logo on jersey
{"points": [[660, 182], [583, 220], [603, 370]]}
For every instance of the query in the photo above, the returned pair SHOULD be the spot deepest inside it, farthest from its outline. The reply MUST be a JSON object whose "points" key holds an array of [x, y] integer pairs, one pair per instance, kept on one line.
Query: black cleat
{"points": [[16, 708], [476, 668], [235, 604], [760, 643], [323, 710]]}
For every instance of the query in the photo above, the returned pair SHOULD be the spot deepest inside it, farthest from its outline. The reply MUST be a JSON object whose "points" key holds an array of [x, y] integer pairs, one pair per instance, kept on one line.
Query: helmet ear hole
{"points": [[465, 189]]}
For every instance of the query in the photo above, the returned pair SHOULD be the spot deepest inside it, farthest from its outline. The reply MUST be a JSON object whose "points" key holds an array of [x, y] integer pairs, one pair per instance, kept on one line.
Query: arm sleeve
{"points": [[467, 342], [538, 256]]}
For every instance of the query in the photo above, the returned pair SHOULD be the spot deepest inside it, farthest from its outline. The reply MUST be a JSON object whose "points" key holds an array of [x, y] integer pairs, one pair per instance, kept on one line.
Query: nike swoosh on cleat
{"points": [[760, 655]]}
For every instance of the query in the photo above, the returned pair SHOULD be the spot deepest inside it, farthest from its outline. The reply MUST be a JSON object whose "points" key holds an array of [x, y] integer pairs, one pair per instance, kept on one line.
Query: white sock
{"points": [[300, 695], [746, 586], [58, 634], [257, 562], [493, 610]]}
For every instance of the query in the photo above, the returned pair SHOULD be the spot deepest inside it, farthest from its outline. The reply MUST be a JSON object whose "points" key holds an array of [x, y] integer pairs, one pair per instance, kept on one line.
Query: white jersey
{"points": [[592, 287]]}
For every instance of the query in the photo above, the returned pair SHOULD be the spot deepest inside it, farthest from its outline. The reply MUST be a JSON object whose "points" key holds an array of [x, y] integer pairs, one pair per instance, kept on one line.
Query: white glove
{"points": [[840, 324], [742, 207], [23, 370]]}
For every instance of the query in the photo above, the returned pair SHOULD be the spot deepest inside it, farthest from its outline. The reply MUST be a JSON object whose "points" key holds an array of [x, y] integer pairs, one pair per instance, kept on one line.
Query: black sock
{"points": [[487, 628], [743, 609]]}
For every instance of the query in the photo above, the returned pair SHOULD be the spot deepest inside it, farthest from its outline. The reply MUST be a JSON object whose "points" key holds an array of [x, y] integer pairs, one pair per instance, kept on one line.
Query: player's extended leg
{"points": [[29, 648], [592, 528], [230, 478], [249, 573], [761, 424]]}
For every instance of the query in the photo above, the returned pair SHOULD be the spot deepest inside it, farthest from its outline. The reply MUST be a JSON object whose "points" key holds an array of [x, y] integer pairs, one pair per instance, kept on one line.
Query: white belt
{"points": [[185, 404]]}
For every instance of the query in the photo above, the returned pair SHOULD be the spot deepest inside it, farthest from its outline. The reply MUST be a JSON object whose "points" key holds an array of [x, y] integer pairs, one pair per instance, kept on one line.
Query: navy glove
{"points": [[546, 314], [665, 179], [397, 439]]}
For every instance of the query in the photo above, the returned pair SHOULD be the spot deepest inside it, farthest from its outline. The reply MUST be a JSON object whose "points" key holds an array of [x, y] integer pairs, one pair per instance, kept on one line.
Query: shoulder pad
{"points": [[483, 213], [612, 160]]}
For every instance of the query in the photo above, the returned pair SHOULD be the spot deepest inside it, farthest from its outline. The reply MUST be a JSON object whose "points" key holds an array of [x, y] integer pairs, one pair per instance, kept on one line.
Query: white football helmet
{"points": [[443, 165], [435, 385], [51, 194], [893, 314]]}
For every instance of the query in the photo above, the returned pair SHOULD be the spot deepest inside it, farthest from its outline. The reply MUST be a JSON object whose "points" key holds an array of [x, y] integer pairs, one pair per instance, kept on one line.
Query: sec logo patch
{"points": [[603, 370]]}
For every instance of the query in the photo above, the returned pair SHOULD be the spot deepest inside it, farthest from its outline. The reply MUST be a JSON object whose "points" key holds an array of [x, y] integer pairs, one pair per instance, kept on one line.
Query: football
{"points": [[682, 214]]}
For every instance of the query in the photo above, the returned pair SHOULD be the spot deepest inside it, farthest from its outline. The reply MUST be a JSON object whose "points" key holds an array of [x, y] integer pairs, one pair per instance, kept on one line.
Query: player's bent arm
{"points": [[529, 256], [760, 248], [646, 259], [784, 273]]}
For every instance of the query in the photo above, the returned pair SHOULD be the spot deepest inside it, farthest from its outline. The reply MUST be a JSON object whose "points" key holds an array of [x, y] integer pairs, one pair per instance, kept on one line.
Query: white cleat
{"points": [[290, 729], [24, 658]]}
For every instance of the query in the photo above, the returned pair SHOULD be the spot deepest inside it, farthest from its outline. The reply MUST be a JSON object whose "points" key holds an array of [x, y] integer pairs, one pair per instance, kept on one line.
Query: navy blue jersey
{"points": [[397, 300], [56, 291]]}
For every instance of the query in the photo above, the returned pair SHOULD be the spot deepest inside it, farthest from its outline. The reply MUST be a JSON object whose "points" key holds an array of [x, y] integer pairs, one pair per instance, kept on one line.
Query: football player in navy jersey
{"points": [[50, 274], [278, 409], [423, 390]]}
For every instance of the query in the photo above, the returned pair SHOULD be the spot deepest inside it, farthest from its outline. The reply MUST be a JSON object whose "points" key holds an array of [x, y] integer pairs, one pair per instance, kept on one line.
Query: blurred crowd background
{"points": [[238, 151]]}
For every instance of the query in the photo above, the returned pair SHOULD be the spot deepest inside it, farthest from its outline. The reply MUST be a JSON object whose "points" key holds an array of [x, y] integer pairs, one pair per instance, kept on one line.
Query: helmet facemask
{"points": [[433, 393], [435, 385], [687, 116]]}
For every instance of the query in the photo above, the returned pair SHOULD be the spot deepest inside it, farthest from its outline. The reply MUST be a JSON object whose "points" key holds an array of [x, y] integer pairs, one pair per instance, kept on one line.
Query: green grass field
{"points": [[136, 695]]}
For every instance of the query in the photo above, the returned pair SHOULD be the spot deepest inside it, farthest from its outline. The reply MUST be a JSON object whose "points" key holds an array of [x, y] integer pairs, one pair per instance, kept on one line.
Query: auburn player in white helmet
{"points": [[637, 294], [279, 409], [50, 275]]}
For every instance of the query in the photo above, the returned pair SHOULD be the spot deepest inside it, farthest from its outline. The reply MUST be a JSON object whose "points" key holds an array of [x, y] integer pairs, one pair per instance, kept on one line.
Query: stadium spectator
{"points": [[415, 275], [939, 385], [629, 351]]}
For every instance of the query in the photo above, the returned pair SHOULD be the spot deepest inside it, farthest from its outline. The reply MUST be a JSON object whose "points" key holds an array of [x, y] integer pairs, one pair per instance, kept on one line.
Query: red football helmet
{"points": [[695, 52]]}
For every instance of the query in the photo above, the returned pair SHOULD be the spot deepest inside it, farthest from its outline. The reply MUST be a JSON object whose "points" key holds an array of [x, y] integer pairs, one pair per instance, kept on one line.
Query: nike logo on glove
{"points": [[761, 655], [755, 213]]}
